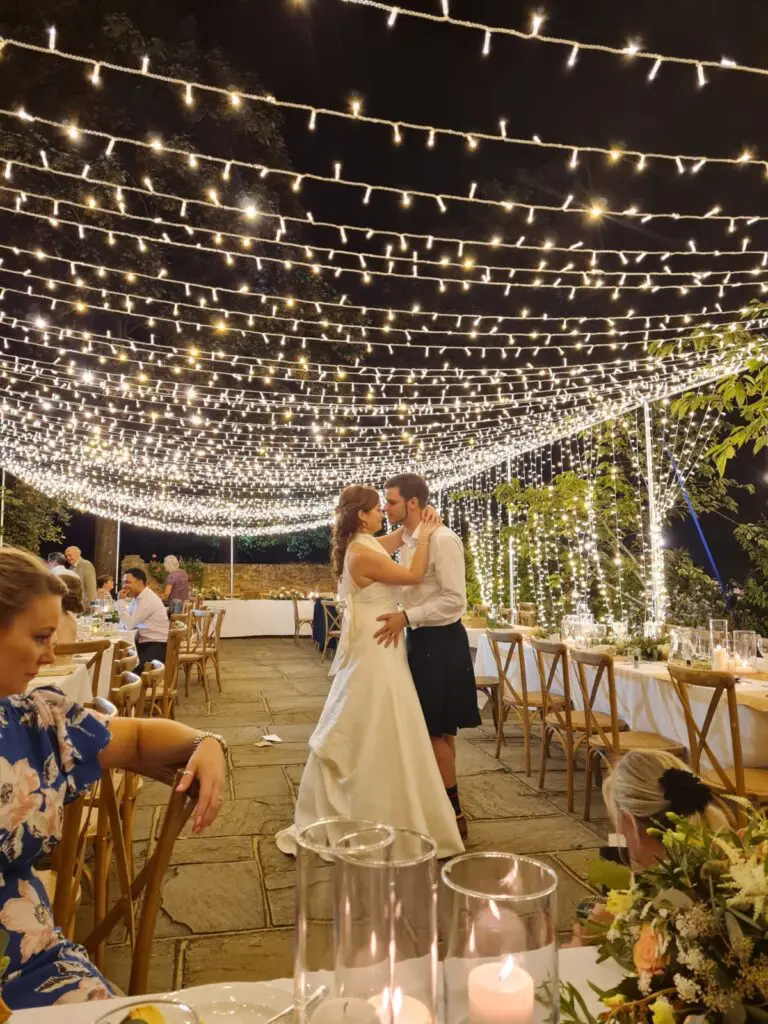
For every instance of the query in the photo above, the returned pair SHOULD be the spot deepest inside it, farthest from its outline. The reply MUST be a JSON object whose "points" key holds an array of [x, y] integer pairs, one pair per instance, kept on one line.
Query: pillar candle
{"points": [[345, 1011], [500, 993], [405, 1010]]}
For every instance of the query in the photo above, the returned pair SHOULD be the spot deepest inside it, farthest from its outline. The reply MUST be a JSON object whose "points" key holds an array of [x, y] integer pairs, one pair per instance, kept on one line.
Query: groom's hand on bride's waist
{"points": [[392, 626]]}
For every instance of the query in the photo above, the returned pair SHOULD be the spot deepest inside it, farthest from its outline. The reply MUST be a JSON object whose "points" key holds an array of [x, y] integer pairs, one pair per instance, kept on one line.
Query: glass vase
{"points": [[331, 973], [744, 649], [501, 940], [403, 880]]}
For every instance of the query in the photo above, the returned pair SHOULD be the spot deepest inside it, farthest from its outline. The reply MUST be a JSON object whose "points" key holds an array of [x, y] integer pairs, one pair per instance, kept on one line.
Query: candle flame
{"points": [[506, 968], [397, 1002]]}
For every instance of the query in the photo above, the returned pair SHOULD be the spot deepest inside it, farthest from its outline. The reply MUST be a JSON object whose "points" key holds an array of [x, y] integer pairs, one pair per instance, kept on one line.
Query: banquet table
{"points": [[647, 702], [72, 679], [258, 618], [218, 1003]]}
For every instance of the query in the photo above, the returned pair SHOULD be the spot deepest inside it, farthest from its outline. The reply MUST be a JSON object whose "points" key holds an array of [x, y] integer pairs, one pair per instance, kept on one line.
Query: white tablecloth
{"points": [[261, 618], [577, 966], [76, 685], [649, 704]]}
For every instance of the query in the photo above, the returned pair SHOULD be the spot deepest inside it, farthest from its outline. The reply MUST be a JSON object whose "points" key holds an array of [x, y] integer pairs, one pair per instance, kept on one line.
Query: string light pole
{"points": [[231, 555], [117, 550], [657, 590], [2, 508]]}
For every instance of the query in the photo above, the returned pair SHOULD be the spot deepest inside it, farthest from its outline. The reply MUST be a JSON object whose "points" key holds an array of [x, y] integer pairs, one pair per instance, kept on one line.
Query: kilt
{"points": [[441, 666]]}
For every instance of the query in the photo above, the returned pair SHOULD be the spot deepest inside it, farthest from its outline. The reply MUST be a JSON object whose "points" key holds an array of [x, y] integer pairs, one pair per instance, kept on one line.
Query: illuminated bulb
{"points": [[487, 44], [193, 162], [596, 211], [397, 137], [95, 75], [250, 211], [188, 97], [144, 65], [572, 58], [156, 144], [745, 157], [337, 171], [574, 161], [392, 17], [503, 128], [235, 99], [700, 76], [632, 48], [406, 200], [726, 62], [471, 142], [641, 163], [73, 132], [654, 70], [615, 155], [431, 139], [313, 120], [52, 37], [356, 108], [537, 20], [697, 166]]}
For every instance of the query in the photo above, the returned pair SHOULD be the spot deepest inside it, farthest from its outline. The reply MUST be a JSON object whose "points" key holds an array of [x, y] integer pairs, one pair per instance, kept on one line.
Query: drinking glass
{"points": [[762, 646], [701, 641], [169, 1010], [347, 959], [403, 879], [620, 629], [682, 647], [718, 633], [501, 940]]}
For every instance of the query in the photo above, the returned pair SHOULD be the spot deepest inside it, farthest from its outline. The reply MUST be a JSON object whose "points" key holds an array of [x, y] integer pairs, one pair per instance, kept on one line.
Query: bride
{"points": [[370, 755]]}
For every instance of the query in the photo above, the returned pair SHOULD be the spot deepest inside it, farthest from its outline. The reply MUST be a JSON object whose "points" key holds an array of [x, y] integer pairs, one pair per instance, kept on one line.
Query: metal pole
{"points": [[657, 566], [231, 556], [511, 552], [2, 510], [117, 553]]}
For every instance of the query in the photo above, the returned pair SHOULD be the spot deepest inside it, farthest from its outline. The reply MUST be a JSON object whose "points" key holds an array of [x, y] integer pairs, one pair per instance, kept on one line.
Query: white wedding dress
{"points": [[370, 755]]}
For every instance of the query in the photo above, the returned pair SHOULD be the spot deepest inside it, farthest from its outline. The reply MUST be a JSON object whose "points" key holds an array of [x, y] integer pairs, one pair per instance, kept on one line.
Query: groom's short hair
{"points": [[410, 485]]}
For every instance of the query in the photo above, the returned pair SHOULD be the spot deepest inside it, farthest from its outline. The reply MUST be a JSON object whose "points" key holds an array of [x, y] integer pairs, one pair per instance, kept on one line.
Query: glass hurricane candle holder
{"points": [[332, 974], [501, 940], [744, 648], [403, 878], [718, 635]]}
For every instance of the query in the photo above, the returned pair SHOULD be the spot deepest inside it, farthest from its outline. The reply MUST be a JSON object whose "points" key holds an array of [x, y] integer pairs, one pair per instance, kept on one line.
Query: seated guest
{"points": [[141, 609], [176, 585], [59, 566], [71, 607], [105, 586], [53, 750], [642, 789]]}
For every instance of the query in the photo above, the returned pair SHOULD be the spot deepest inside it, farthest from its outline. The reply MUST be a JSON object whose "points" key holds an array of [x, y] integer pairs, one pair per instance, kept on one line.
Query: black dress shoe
{"points": [[461, 821]]}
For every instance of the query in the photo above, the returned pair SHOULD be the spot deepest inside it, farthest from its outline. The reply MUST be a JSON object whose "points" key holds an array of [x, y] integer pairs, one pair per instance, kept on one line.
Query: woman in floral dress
{"points": [[51, 749]]}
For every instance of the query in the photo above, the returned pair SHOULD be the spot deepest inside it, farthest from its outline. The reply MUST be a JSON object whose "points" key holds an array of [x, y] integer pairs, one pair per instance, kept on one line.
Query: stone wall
{"points": [[252, 579], [265, 578]]}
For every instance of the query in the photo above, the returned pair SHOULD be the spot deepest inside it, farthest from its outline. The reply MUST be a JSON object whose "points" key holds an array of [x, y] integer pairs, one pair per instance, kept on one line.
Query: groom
{"points": [[436, 641]]}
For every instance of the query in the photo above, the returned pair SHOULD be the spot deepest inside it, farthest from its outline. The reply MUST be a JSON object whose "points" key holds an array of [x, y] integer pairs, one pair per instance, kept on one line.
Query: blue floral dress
{"points": [[49, 750]]}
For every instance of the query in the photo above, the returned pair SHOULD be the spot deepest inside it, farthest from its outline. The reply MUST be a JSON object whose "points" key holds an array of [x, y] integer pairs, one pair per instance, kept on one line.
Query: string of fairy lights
{"points": [[180, 356]]}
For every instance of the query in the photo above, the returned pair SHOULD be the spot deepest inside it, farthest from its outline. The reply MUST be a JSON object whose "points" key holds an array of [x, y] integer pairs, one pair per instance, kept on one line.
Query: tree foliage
{"points": [[32, 519]]}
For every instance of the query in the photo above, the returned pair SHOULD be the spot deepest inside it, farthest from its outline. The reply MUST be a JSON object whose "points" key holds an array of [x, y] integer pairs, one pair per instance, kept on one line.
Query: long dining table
{"points": [[71, 677], [647, 702]]}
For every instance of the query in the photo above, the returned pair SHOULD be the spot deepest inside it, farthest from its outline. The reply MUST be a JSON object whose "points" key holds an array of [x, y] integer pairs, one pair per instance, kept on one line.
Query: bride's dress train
{"points": [[370, 755]]}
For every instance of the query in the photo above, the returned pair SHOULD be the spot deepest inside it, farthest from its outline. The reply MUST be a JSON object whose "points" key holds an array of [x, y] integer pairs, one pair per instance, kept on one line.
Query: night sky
{"points": [[325, 52]]}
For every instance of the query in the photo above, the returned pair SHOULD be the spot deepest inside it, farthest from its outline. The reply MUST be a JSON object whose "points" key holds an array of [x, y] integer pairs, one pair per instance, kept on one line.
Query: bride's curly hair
{"points": [[352, 501]]}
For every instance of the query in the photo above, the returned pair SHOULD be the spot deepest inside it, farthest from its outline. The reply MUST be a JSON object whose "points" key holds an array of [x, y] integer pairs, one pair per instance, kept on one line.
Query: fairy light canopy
{"points": [[198, 333]]}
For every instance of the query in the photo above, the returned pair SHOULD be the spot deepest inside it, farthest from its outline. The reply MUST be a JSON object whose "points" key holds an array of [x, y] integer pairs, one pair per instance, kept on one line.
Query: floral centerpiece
{"points": [[285, 595], [691, 933]]}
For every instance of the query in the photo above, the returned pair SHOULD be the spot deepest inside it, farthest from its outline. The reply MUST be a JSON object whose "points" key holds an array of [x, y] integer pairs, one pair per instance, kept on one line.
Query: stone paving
{"points": [[227, 908]]}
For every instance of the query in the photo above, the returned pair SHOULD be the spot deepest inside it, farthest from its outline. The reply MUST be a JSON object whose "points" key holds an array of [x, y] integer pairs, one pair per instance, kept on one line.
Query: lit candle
{"points": [[500, 994], [405, 1009], [345, 1011], [720, 659]]}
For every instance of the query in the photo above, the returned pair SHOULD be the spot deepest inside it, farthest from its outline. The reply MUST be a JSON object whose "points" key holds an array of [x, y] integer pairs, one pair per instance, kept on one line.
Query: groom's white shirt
{"points": [[441, 597]]}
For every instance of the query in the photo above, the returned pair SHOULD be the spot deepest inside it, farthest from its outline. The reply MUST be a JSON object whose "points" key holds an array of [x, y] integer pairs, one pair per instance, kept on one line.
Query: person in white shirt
{"points": [[142, 609], [58, 565], [438, 647]]}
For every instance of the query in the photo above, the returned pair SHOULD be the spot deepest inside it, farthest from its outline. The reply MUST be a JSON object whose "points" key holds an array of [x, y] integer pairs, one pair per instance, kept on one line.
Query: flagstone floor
{"points": [[227, 907]]}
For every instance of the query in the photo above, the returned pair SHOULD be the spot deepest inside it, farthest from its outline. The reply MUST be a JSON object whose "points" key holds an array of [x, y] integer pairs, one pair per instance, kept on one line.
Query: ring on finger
{"points": [[187, 772]]}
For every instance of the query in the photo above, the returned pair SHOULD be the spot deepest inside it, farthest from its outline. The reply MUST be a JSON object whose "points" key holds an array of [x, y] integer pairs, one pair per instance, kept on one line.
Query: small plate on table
{"points": [[239, 1002]]}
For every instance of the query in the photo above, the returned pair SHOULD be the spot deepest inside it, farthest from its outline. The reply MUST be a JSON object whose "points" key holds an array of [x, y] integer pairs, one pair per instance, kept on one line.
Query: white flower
{"points": [[687, 988], [752, 883], [644, 980]]}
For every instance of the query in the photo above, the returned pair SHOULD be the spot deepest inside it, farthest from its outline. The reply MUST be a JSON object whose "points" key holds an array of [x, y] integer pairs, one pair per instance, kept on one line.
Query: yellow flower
{"points": [[146, 1014], [662, 1012], [617, 1000], [618, 902]]}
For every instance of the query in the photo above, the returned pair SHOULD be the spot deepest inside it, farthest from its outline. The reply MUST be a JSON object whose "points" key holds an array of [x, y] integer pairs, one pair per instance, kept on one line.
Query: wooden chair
{"points": [[333, 613], [299, 621], [96, 649], [556, 711], [194, 648], [146, 886], [608, 743], [124, 659], [163, 701], [735, 779], [214, 647]]}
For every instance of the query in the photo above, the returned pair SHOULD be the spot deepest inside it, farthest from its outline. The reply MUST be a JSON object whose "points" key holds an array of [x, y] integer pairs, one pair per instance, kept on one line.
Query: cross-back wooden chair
{"points": [[124, 659], [95, 648], [720, 776], [607, 743], [146, 886], [163, 701], [194, 648], [299, 620], [213, 651], [333, 614], [555, 710]]}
